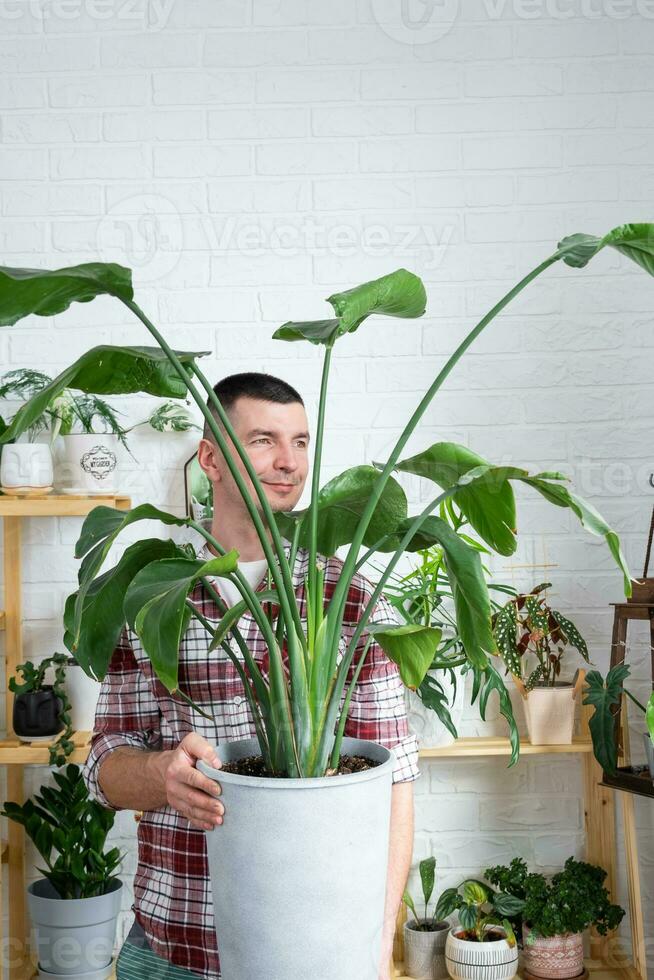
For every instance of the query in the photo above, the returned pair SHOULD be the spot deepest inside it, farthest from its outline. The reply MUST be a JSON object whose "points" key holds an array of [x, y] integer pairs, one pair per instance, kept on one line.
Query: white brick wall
{"points": [[246, 159]]}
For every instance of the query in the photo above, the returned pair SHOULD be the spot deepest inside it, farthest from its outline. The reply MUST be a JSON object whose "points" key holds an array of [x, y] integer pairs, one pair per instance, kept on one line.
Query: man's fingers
{"points": [[193, 777], [198, 747]]}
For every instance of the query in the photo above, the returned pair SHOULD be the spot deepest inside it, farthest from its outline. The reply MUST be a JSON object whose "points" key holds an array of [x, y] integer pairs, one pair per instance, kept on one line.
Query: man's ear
{"points": [[208, 458]]}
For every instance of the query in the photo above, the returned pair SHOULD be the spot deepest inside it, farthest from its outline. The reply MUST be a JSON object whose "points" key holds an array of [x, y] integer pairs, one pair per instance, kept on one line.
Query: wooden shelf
{"points": [[499, 745], [58, 504], [15, 752], [597, 970]]}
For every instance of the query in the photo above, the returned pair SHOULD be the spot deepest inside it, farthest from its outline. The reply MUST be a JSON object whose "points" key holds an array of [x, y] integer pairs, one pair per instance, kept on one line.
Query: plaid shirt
{"points": [[172, 888]]}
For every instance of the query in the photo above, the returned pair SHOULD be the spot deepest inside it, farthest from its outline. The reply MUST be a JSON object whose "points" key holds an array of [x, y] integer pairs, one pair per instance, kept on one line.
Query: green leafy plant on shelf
{"points": [[479, 907], [605, 696], [571, 901], [70, 411], [65, 822], [297, 711], [426, 923], [527, 627], [33, 680], [424, 596]]}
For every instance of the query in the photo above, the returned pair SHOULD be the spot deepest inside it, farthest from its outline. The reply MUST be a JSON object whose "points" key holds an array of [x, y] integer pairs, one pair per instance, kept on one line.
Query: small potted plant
{"points": [[555, 913], [74, 907], [424, 937], [528, 629], [42, 710], [25, 467], [483, 944], [605, 695]]}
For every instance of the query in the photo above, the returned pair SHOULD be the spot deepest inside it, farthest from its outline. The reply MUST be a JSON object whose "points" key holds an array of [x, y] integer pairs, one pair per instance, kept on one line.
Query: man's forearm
{"points": [[134, 779], [399, 859]]}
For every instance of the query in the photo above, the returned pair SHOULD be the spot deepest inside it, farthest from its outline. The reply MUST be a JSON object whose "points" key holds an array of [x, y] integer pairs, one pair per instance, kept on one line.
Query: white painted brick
{"points": [[200, 161], [364, 120], [87, 162], [22, 93], [255, 49], [588, 150], [258, 124], [356, 46], [637, 34], [306, 85], [568, 186], [552, 851], [196, 87], [456, 812], [537, 114], [24, 236], [208, 306], [463, 43], [98, 90], [207, 14], [439, 81], [388, 156], [176, 198], [620, 75], [482, 850], [571, 38], [180, 124], [247, 270], [305, 158], [19, 164], [511, 152], [92, 17], [259, 196], [46, 55], [297, 13], [369, 192], [50, 128], [150, 51], [524, 813], [509, 80]]}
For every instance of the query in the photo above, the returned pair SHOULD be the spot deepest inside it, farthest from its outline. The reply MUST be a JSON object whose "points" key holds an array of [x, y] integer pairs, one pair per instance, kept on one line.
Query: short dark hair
{"points": [[251, 384]]}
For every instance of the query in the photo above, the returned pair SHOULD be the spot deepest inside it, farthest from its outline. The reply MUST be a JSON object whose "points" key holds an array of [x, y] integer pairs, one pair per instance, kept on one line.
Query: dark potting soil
{"points": [[489, 937], [253, 765]]}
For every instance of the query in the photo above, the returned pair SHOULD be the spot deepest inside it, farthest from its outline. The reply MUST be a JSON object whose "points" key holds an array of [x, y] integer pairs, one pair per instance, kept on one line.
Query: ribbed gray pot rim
{"points": [[36, 886], [441, 925], [293, 782]]}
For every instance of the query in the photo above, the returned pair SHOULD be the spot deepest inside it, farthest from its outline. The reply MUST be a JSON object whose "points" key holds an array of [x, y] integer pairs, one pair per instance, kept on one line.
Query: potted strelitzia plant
{"points": [[299, 705], [424, 936]]}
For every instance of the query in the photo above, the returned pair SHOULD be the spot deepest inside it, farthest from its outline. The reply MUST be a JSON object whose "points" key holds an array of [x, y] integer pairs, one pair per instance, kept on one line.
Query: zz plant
{"points": [[296, 711]]}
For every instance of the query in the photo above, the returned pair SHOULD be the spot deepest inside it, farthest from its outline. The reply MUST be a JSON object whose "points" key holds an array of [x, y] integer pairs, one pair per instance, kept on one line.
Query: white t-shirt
{"points": [[253, 571]]}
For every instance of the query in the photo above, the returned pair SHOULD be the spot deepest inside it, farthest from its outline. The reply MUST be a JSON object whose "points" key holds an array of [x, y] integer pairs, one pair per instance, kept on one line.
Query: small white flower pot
{"points": [[87, 463], [424, 952], [493, 960], [550, 714], [26, 467], [83, 693]]}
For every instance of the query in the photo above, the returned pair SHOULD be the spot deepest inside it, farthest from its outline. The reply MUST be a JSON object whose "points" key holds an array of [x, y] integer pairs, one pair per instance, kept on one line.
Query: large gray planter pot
{"points": [[649, 752], [424, 952], [298, 870], [73, 935]]}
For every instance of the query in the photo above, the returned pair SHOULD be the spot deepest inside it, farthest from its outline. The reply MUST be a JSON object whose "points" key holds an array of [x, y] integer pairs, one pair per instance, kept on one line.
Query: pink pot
{"points": [[556, 957]]}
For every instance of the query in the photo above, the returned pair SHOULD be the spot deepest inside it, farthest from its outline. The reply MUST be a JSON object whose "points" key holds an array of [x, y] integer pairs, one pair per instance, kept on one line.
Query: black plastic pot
{"points": [[37, 713]]}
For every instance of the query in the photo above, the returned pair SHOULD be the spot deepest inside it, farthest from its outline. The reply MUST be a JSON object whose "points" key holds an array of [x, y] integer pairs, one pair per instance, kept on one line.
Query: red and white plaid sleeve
{"points": [[127, 714], [378, 707]]}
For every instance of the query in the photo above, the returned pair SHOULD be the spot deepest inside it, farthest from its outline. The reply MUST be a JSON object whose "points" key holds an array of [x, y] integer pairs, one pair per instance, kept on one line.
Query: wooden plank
{"points": [[2, 619], [59, 505], [597, 970], [18, 938], [498, 745], [13, 752]]}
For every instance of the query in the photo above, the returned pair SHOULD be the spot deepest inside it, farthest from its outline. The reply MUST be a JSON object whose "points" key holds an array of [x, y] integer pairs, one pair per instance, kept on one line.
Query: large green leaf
{"points": [[99, 531], [488, 506], [605, 697], [107, 370], [400, 294], [102, 617], [427, 869], [465, 574], [341, 502], [411, 647], [49, 291], [635, 241], [155, 607]]}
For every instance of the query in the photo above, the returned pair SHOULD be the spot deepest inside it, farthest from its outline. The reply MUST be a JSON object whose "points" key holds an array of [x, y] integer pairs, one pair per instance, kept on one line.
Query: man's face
{"points": [[276, 439]]}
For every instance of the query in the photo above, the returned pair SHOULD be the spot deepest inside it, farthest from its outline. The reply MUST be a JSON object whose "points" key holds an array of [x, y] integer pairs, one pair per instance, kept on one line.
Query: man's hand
{"points": [[187, 790]]}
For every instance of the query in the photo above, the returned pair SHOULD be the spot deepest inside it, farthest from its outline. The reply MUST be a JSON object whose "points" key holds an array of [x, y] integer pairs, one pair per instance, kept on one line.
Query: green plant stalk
{"points": [[284, 586], [336, 751], [315, 478], [635, 700], [337, 604]]}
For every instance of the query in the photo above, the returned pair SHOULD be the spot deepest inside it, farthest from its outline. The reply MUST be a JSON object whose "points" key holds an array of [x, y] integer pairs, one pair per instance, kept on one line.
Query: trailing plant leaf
{"points": [[45, 292], [572, 634], [488, 680], [411, 647], [504, 629], [636, 241], [170, 417], [604, 696]]}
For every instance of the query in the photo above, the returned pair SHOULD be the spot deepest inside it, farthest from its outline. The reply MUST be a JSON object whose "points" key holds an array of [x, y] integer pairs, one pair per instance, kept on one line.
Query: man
{"points": [[146, 742]]}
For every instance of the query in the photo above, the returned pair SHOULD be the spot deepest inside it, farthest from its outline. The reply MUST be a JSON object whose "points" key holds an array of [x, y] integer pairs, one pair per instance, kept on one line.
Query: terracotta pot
{"points": [[555, 957], [424, 952], [550, 714], [468, 960]]}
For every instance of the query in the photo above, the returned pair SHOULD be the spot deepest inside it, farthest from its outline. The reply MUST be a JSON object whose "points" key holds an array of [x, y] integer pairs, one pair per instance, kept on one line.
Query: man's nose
{"points": [[286, 458]]}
